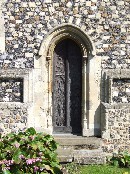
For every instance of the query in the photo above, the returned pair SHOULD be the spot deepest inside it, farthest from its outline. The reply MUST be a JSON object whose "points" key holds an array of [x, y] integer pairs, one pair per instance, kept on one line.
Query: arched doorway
{"points": [[67, 87], [90, 114]]}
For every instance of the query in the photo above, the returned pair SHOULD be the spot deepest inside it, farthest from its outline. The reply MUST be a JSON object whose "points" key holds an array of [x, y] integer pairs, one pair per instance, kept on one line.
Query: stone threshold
{"points": [[78, 149]]}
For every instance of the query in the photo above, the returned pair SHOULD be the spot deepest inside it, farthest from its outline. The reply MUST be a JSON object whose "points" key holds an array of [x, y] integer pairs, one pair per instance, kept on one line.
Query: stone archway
{"points": [[46, 64]]}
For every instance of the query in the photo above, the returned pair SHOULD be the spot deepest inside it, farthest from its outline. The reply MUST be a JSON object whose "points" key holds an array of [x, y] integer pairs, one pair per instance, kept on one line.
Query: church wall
{"points": [[24, 26]]}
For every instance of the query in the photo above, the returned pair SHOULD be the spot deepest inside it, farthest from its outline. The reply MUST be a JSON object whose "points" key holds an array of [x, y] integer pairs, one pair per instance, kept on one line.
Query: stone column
{"points": [[49, 119], [84, 96]]}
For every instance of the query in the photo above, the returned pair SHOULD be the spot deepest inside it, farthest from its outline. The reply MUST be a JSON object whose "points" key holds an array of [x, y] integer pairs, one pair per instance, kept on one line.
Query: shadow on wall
{"points": [[97, 120], [98, 112], [104, 97]]}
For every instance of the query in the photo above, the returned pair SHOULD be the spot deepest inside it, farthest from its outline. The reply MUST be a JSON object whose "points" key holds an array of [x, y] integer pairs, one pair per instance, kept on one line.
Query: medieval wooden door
{"points": [[67, 87]]}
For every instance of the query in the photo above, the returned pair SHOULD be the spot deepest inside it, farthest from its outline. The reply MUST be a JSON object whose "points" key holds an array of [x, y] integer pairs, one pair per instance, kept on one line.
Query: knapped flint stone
{"points": [[113, 15]]}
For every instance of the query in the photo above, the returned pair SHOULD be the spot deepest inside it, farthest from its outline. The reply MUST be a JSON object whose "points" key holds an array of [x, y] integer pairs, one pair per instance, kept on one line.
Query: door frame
{"points": [[84, 52], [90, 87]]}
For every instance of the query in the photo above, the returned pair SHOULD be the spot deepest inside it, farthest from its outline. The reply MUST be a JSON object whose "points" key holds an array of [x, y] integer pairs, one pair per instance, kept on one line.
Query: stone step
{"points": [[78, 149], [95, 156], [79, 142]]}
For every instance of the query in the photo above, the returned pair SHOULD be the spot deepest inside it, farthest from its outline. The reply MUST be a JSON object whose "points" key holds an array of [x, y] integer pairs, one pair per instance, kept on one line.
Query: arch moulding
{"points": [[45, 63]]}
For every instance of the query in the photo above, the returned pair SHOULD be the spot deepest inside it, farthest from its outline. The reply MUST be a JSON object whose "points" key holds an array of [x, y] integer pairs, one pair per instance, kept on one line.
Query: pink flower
{"points": [[33, 160], [10, 162], [17, 145], [36, 168], [21, 156], [7, 162], [6, 168], [38, 159], [32, 137], [29, 161], [1, 162]]}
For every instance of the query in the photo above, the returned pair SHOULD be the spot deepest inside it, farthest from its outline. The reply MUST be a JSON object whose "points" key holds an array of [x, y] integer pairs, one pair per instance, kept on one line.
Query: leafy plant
{"points": [[72, 168], [28, 153], [121, 159]]}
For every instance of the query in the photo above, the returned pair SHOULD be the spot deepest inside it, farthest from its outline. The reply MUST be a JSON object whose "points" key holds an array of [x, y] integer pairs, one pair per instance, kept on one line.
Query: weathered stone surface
{"points": [[83, 151], [24, 25], [121, 91], [116, 136], [13, 118], [89, 156], [41, 14], [11, 90]]}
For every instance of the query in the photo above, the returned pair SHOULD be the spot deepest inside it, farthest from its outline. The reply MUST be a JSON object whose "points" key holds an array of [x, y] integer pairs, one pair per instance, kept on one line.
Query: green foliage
{"points": [[103, 169], [28, 153], [120, 160], [72, 168]]}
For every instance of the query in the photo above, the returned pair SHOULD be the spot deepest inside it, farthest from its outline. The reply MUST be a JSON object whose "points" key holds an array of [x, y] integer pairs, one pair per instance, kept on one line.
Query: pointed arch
{"points": [[45, 63], [67, 31]]}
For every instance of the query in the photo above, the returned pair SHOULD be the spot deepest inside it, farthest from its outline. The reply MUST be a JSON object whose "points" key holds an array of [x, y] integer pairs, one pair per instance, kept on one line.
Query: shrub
{"points": [[28, 153], [121, 159], [72, 168]]}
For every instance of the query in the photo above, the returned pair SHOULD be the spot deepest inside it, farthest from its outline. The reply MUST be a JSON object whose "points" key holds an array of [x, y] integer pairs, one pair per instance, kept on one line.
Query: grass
{"points": [[95, 169], [103, 169]]}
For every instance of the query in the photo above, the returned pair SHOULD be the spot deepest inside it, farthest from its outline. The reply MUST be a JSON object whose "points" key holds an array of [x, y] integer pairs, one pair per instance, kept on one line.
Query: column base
{"points": [[91, 132]]}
